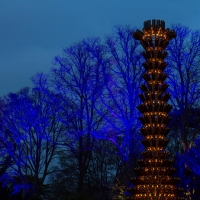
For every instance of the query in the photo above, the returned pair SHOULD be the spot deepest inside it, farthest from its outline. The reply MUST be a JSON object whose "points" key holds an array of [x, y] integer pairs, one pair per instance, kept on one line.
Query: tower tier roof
{"points": [[155, 142], [155, 130], [155, 119], [155, 154], [155, 171], [165, 108], [155, 162], [152, 98], [154, 65], [149, 180], [152, 190]]}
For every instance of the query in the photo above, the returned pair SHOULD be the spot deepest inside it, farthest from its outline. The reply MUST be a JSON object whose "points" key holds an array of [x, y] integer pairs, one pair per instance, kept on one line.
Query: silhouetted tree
{"points": [[184, 74], [120, 97], [31, 119], [79, 80]]}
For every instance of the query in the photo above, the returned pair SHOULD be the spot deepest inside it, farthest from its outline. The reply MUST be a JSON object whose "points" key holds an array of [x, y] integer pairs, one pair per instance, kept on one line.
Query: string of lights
{"points": [[154, 179]]}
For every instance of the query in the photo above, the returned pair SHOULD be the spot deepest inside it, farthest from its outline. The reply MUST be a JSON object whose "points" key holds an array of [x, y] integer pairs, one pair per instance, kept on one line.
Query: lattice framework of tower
{"points": [[154, 179]]}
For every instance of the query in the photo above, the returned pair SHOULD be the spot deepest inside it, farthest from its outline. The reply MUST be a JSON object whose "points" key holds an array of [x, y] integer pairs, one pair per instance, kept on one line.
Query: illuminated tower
{"points": [[154, 179]]}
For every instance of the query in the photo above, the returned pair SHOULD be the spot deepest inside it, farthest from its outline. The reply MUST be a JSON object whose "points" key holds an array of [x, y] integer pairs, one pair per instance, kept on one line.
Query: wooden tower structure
{"points": [[154, 179]]}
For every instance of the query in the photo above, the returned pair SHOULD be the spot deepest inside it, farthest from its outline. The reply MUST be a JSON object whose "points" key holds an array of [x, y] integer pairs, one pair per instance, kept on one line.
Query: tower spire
{"points": [[154, 179]]}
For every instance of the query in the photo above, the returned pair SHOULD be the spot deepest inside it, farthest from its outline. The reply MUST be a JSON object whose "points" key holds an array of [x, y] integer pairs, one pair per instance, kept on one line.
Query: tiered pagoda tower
{"points": [[154, 179]]}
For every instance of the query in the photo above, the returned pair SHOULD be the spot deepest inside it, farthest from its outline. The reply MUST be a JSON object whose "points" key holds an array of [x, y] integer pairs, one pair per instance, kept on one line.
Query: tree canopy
{"points": [[75, 133]]}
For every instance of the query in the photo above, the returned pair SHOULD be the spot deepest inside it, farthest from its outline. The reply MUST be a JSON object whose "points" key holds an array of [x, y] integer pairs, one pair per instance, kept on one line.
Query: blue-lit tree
{"points": [[82, 118], [100, 86], [184, 74], [79, 79], [120, 96], [31, 119]]}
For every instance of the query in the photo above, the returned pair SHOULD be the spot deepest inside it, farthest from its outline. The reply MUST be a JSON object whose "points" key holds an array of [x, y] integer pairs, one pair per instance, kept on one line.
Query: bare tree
{"points": [[30, 116], [184, 74], [79, 79], [120, 97]]}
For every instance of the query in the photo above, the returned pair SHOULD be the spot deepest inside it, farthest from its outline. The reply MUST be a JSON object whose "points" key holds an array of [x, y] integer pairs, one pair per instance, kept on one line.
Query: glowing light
{"points": [[153, 175]]}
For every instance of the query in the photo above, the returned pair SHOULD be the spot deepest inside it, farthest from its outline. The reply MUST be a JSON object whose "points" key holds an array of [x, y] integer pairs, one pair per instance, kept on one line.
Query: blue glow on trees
{"points": [[78, 126]]}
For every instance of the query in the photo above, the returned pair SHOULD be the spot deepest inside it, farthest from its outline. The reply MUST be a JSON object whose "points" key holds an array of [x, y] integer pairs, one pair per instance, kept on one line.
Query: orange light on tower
{"points": [[154, 179]]}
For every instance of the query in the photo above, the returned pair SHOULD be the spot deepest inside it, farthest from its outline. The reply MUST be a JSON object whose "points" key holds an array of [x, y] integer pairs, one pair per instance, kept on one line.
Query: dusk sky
{"points": [[33, 32]]}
